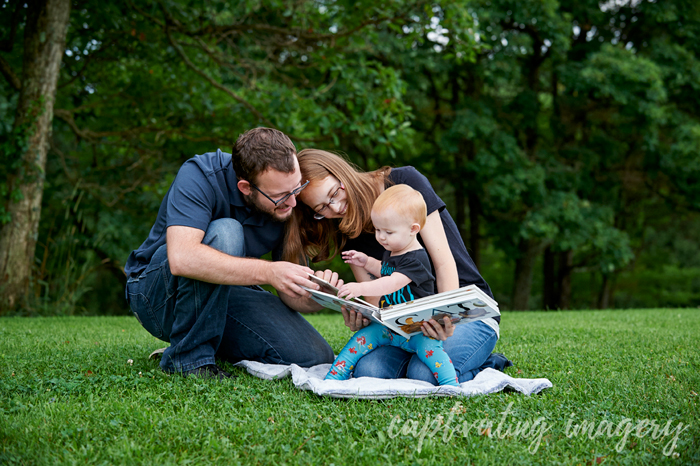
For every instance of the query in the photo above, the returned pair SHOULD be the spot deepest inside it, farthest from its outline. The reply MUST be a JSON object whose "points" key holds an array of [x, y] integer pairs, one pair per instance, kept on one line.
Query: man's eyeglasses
{"points": [[282, 199], [319, 215]]}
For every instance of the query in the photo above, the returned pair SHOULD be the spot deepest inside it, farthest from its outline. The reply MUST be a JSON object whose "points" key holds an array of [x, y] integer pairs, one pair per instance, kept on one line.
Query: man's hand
{"points": [[355, 258], [350, 290], [288, 278], [354, 320], [432, 329]]}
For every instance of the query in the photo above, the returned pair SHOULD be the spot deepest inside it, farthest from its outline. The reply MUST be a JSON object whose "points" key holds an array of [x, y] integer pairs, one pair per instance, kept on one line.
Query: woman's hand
{"points": [[432, 329], [354, 320], [329, 276]]}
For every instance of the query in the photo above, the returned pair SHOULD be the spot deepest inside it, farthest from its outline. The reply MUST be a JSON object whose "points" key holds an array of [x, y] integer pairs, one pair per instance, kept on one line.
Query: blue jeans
{"points": [[203, 321], [469, 348]]}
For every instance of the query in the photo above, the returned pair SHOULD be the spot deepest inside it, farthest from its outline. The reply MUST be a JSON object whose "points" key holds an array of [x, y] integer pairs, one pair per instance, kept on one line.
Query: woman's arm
{"points": [[374, 267], [435, 240]]}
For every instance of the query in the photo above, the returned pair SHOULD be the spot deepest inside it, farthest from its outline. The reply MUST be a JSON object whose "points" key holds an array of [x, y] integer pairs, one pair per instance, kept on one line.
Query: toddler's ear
{"points": [[415, 228]]}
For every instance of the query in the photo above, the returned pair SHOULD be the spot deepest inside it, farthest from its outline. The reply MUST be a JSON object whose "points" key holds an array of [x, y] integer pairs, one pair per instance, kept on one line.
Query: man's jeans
{"points": [[203, 321], [469, 349]]}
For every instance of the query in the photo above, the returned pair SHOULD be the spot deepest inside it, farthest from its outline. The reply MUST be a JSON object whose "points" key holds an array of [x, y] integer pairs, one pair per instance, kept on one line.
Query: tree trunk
{"points": [[473, 186], [44, 45], [566, 260], [606, 292], [549, 282], [460, 204], [474, 226], [524, 266], [460, 167]]}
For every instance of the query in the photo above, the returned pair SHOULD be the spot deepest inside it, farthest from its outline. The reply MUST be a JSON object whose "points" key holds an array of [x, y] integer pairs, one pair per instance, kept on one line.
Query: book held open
{"points": [[465, 304]]}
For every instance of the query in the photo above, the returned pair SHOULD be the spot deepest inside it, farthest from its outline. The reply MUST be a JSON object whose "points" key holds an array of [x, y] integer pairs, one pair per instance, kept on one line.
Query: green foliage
{"points": [[570, 125], [665, 285], [14, 143]]}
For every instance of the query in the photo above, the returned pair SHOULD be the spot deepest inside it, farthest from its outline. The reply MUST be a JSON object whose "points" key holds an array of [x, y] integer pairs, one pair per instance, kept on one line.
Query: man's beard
{"points": [[252, 202]]}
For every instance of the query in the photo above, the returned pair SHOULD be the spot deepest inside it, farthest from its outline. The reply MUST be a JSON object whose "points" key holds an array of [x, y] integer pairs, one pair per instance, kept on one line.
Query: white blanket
{"points": [[487, 381]]}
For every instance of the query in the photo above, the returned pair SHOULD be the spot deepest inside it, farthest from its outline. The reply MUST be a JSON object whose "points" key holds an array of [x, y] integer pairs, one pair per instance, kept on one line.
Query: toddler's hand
{"points": [[355, 258], [350, 290]]}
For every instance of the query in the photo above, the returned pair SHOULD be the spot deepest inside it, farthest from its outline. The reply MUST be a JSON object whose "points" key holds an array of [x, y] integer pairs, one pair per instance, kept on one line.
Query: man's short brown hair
{"points": [[260, 149]]}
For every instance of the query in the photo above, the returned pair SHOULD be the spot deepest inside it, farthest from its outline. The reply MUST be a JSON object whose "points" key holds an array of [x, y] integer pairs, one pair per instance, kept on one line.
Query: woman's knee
{"points": [[385, 362], [226, 235], [470, 348], [418, 370]]}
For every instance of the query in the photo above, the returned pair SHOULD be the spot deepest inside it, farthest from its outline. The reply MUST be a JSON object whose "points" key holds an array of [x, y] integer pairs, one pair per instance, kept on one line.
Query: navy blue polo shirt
{"points": [[205, 190]]}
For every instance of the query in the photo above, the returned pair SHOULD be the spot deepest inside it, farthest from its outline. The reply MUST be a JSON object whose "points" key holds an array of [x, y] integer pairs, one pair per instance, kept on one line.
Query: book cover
{"points": [[463, 305]]}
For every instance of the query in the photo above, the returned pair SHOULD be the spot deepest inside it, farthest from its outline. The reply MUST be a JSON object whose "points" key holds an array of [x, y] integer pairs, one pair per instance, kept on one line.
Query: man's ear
{"points": [[415, 228], [244, 187]]}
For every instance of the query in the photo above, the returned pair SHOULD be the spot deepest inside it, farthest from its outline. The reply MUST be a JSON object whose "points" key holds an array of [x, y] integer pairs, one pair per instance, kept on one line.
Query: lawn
{"points": [[625, 391]]}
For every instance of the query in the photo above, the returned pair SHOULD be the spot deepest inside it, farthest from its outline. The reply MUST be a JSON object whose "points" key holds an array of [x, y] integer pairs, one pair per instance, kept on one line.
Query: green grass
{"points": [[69, 396]]}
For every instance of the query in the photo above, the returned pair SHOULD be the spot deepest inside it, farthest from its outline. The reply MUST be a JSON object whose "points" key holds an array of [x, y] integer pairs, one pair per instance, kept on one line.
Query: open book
{"points": [[465, 304]]}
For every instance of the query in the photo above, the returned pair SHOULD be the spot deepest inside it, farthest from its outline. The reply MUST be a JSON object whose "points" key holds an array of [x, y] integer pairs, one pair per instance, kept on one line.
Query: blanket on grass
{"points": [[487, 381]]}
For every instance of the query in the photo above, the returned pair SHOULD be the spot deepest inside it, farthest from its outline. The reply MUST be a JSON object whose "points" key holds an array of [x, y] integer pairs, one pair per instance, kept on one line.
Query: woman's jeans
{"points": [[203, 321], [469, 349]]}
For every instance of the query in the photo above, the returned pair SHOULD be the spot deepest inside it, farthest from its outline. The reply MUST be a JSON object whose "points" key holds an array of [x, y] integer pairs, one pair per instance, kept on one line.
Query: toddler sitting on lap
{"points": [[398, 215]]}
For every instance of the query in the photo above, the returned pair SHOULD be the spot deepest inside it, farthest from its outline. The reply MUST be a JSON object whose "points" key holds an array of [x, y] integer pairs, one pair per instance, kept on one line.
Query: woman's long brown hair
{"points": [[321, 240]]}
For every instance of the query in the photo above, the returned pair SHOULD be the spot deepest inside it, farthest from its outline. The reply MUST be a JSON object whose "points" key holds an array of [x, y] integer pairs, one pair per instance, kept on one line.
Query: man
{"points": [[194, 281]]}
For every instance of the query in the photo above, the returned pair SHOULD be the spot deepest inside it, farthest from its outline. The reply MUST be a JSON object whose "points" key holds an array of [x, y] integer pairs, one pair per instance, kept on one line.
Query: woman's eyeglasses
{"points": [[319, 215], [281, 200]]}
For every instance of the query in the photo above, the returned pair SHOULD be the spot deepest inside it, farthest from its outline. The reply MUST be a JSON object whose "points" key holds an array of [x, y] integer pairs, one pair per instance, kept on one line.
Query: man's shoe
{"points": [[157, 354], [209, 371]]}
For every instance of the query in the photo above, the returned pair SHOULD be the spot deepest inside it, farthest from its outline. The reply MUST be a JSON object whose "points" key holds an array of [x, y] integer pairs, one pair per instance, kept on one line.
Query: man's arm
{"points": [[188, 257]]}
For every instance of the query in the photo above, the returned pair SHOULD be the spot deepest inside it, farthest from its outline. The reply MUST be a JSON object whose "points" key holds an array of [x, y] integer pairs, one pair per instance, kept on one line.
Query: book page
{"points": [[325, 286], [333, 302], [332, 290]]}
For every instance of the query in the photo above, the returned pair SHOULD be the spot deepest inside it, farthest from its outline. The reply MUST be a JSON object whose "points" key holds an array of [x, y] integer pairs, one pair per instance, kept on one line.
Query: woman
{"points": [[334, 215]]}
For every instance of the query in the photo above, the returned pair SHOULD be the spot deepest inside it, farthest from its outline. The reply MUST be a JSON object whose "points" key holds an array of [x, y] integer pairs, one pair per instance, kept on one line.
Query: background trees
{"points": [[24, 153], [563, 137]]}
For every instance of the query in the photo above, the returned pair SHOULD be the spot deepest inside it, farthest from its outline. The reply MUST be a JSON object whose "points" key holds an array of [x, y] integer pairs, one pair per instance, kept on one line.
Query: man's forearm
{"points": [[190, 258], [205, 263]]}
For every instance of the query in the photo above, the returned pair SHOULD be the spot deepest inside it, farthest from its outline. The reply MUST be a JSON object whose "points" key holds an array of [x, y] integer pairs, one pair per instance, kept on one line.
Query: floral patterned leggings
{"points": [[373, 336]]}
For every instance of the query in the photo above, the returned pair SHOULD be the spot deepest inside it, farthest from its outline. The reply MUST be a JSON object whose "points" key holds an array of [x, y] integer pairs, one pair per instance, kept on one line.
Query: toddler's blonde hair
{"points": [[405, 201]]}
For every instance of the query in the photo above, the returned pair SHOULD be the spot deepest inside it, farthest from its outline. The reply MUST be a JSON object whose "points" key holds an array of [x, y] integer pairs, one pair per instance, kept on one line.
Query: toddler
{"points": [[398, 215]]}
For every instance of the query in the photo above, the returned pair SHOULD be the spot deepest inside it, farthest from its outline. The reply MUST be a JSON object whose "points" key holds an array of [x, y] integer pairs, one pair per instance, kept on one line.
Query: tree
{"points": [[561, 134], [516, 135], [25, 153], [145, 85]]}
